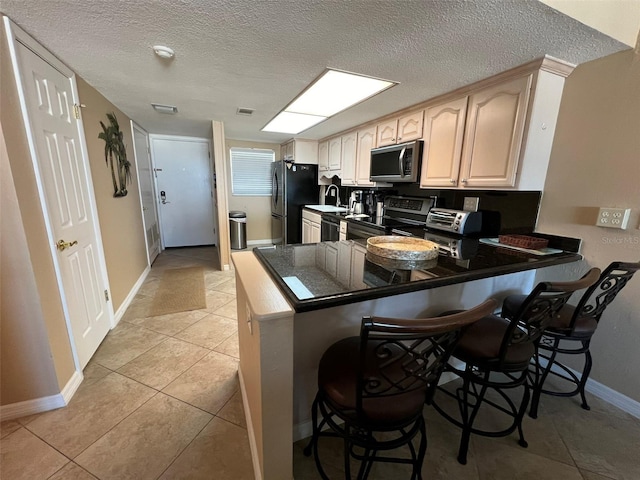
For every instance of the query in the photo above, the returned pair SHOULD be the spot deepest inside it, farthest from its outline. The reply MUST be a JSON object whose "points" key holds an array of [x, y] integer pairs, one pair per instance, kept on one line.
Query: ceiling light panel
{"points": [[292, 123], [335, 91]]}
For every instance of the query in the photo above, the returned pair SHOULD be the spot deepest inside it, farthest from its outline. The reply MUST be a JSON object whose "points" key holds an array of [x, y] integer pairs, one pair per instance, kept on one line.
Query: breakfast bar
{"points": [[296, 300]]}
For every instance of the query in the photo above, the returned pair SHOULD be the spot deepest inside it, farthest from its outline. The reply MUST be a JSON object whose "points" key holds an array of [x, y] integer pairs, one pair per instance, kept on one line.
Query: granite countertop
{"points": [[329, 274]]}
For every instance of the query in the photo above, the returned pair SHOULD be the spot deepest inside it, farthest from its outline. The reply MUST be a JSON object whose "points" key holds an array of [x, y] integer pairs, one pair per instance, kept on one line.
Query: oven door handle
{"points": [[358, 233]]}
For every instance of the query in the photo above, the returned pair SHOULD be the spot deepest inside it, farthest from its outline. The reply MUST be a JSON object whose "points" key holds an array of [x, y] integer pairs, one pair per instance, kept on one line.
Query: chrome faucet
{"points": [[326, 193]]}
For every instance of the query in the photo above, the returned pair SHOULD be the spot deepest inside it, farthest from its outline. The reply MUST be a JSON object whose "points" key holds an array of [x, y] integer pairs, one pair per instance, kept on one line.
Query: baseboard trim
{"points": [[609, 395], [265, 241], [132, 294], [42, 404], [302, 430], [72, 386], [255, 459]]}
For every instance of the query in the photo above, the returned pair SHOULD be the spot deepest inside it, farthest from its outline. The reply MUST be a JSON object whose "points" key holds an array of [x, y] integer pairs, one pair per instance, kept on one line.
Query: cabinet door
{"points": [[366, 141], [289, 151], [387, 133], [323, 156], [344, 263], [443, 134], [315, 232], [331, 260], [410, 127], [306, 231], [348, 175], [358, 254], [335, 153], [493, 136]]}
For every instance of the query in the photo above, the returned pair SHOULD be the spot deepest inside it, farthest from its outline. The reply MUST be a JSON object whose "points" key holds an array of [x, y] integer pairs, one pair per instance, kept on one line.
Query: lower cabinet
{"points": [[358, 254], [310, 227]]}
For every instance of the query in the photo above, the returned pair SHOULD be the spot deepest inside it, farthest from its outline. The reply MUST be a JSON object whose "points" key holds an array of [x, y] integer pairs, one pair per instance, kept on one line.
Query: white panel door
{"points": [[185, 191], [65, 180], [147, 195]]}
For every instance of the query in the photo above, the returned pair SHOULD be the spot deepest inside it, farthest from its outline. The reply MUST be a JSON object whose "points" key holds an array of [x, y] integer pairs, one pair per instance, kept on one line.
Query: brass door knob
{"points": [[62, 245]]}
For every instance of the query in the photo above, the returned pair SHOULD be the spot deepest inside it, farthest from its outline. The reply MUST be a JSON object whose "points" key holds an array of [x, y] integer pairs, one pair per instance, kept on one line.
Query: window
{"points": [[251, 171]]}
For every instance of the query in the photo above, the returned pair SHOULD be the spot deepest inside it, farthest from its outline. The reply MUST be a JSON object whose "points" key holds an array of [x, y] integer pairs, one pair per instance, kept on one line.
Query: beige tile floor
{"points": [[160, 399]]}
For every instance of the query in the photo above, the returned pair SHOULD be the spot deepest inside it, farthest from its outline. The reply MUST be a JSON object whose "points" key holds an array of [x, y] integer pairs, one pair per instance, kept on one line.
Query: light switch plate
{"points": [[613, 217], [471, 204]]}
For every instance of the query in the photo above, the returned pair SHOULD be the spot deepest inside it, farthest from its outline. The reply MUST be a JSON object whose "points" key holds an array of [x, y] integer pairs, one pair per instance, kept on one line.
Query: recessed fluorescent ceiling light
{"points": [[287, 122], [170, 109], [332, 92]]}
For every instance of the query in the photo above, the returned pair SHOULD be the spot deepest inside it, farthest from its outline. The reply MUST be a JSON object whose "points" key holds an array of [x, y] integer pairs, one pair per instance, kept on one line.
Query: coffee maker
{"points": [[369, 200], [356, 202]]}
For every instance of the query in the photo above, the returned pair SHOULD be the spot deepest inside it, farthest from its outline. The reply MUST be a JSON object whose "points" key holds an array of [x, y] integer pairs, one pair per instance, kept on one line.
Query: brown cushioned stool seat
{"points": [[337, 377], [481, 344]]}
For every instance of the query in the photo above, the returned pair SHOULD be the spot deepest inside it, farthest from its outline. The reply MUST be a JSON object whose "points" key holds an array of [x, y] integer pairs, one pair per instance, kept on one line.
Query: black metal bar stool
{"points": [[570, 333], [372, 388], [496, 352]]}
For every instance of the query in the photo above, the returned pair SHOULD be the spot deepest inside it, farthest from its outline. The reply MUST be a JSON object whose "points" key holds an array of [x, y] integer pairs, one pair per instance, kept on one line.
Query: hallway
{"points": [[160, 398]]}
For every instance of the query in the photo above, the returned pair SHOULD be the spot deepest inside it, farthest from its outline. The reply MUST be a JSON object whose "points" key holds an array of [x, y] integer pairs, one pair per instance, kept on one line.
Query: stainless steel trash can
{"points": [[238, 229]]}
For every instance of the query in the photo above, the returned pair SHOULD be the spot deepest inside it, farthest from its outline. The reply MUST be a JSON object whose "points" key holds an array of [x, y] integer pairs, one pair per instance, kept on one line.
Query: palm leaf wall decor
{"points": [[114, 149]]}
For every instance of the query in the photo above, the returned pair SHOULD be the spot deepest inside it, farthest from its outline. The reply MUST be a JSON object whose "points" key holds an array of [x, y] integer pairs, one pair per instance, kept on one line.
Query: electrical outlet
{"points": [[471, 204], [613, 217]]}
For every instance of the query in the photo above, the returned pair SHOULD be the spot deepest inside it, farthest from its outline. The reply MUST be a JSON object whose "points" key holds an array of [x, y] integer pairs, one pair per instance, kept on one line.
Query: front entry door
{"points": [[147, 195], [185, 191], [68, 196]]}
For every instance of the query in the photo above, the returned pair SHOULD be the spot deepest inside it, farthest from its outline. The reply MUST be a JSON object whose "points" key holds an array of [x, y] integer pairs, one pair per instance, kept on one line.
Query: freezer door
{"points": [[277, 189], [277, 229]]}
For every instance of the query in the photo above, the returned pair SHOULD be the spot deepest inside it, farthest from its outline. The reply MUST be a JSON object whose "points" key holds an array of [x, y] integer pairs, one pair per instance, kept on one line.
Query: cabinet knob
{"points": [[453, 181], [399, 138], [393, 139], [464, 180]]}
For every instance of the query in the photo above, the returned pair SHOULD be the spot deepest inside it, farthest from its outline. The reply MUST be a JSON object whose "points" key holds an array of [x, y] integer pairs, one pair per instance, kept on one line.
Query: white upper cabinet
{"points": [[443, 135], [348, 159], [335, 154], [401, 129], [300, 151], [323, 157], [366, 141], [493, 137]]}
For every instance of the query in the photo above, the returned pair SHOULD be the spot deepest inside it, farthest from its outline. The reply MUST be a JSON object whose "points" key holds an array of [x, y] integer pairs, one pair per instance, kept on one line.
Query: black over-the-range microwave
{"points": [[396, 163]]}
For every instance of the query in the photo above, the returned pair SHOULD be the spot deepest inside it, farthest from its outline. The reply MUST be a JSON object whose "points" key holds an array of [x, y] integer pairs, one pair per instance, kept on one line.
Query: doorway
{"points": [[147, 192], [184, 187]]}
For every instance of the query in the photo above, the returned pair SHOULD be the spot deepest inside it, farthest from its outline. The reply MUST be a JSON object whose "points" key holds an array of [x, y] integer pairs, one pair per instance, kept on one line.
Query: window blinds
{"points": [[251, 171]]}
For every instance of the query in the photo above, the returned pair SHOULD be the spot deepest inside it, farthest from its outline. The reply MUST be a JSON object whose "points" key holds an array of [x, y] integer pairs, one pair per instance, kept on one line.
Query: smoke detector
{"points": [[163, 52]]}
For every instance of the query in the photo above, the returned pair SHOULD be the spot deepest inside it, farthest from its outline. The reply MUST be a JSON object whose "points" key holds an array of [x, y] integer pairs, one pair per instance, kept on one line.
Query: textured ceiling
{"points": [[261, 53]]}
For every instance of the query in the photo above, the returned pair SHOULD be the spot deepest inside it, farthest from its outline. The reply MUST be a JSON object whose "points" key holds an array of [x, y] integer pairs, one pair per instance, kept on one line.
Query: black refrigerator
{"points": [[294, 185]]}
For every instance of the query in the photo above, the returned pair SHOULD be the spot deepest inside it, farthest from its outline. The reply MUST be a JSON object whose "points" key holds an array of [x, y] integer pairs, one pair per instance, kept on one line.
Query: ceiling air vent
{"points": [[170, 109], [244, 111]]}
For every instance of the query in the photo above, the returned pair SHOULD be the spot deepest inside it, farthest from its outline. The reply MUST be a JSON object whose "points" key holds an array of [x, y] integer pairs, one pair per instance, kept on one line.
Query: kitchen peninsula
{"points": [[295, 301]]}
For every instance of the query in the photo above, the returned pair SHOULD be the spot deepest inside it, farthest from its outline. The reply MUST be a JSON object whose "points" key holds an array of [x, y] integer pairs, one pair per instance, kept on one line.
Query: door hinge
{"points": [[106, 295], [76, 110]]}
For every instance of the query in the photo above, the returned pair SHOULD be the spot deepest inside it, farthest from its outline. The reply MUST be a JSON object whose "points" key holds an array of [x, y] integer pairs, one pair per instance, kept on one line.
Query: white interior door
{"points": [[65, 184], [184, 189], [147, 195]]}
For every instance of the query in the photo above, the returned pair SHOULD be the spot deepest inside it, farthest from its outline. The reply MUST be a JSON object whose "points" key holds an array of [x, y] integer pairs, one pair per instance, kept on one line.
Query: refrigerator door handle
{"points": [[273, 188]]}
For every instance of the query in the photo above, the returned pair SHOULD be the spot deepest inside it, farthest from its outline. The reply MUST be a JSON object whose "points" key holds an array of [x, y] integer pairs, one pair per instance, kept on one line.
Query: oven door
{"points": [[357, 231], [329, 230]]}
